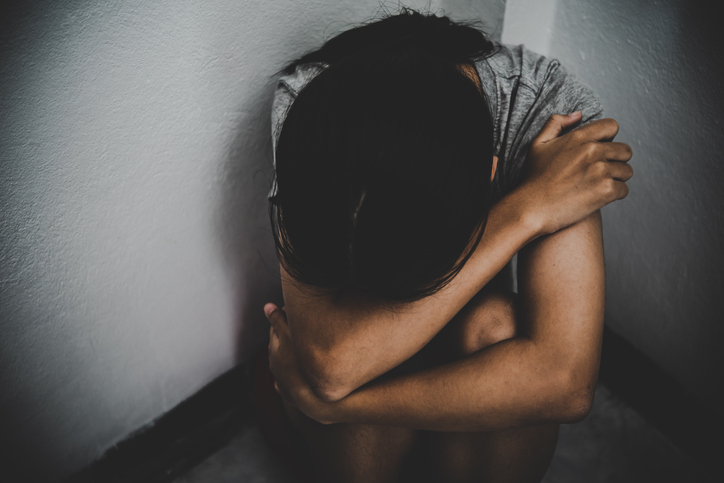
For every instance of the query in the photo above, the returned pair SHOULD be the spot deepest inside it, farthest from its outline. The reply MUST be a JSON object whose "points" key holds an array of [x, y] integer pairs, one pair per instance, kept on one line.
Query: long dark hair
{"points": [[383, 162]]}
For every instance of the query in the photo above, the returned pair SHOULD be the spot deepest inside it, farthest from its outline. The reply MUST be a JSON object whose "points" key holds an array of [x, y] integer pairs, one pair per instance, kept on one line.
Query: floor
{"points": [[614, 444]]}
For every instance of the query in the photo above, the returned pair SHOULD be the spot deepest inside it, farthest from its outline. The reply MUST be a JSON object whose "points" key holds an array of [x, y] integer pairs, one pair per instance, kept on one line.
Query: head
{"points": [[385, 159]]}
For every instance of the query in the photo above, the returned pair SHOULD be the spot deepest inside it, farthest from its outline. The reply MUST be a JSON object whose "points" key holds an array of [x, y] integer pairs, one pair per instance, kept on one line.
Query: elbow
{"points": [[329, 392], [577, 407], [327, 386], [326, 376], [573, 398]]}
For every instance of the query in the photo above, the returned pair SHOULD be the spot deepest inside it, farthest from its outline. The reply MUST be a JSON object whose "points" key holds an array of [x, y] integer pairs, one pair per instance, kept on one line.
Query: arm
{"points": [[547, 374], [342, 344]]}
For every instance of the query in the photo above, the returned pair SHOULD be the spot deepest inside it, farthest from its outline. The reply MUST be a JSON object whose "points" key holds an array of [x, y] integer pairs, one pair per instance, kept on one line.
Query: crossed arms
{"points": [[326, 354]]}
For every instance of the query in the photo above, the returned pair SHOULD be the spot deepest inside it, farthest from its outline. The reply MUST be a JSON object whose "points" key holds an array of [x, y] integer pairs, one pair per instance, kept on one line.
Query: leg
{"points": [[375, 454], [351, 453], [515, 455]]}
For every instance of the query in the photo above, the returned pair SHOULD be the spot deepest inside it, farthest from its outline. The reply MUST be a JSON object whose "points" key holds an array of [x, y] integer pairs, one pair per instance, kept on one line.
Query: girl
{"points": [[414, 158]]}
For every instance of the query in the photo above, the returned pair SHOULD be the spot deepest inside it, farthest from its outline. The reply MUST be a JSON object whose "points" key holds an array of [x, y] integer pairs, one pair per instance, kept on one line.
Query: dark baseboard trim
{"points": [[664, 402], [181, 438], [199, 426]]}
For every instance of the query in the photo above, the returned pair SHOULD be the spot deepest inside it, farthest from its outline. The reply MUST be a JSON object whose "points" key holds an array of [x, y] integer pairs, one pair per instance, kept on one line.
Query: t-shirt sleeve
{"points": [[546, 89], [287, 90], [283, 99], [562, 92]]}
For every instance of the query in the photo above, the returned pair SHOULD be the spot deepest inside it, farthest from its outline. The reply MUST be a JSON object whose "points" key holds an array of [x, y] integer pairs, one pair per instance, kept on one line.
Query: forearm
{"points": [[547, 374], [345, 344], [511, 384]]}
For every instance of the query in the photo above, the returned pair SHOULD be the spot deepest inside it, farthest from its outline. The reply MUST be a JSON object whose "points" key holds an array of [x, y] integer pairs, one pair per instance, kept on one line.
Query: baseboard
{"points": [[664, 402], [181, 438]]}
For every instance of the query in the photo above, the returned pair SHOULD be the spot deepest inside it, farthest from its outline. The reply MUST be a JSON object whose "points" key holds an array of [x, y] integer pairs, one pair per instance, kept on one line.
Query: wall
{"points": [[135, 256], [658, 67]]}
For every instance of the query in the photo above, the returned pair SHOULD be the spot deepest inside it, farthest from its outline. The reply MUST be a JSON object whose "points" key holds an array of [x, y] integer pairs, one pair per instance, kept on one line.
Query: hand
{"points": [[571, 176], [289, 382]]}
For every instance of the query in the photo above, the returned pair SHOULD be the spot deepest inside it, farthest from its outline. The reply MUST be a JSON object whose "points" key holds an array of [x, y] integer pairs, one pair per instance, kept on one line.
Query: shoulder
{"points": [[302, 74], [524, 88], [287, 89], [515, 66], [289, 86], [516, 61]]}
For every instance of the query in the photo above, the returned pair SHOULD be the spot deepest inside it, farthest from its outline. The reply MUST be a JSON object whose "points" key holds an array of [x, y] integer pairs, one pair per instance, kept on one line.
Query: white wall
{"points": [[530, 22], [658, 67], [135, 255]]}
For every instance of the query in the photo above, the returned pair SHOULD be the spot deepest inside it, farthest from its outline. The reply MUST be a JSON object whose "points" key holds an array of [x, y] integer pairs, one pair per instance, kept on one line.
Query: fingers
{"points": [[611, 189], [621, 190], [274, 315], [620, 171], [269, 309], [599, 130], [617, 151], [617, 155], [555, 125], [273, 340]]}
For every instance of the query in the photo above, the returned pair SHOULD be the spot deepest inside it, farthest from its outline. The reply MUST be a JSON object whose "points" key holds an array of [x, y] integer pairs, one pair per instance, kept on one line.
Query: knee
{"points": [[488, 319]]}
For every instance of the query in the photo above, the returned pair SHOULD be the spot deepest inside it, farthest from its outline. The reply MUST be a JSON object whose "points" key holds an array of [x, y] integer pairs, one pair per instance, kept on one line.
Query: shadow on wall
{"points": [[243, 226], [658, 67]]}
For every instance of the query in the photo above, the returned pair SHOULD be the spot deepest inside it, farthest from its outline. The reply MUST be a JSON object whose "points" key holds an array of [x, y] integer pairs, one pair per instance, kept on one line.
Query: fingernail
{"points": [[574, 113]]}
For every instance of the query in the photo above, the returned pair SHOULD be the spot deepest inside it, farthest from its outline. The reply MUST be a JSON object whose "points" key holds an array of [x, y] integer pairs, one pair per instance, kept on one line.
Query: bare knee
{"points": [[487, 319]]}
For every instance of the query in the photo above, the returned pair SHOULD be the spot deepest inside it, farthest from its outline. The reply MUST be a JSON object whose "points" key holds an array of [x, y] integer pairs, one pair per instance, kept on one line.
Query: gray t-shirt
{"points": [[523, 90]]}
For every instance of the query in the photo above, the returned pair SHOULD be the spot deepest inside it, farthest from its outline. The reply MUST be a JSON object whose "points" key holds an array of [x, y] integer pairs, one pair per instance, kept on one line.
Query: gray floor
{"points": [[614, 444]]}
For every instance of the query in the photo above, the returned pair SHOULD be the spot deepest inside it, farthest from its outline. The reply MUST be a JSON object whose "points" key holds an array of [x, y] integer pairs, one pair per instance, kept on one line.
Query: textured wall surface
{"points": [[135, 255], [658, 67], [530, 22]]}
